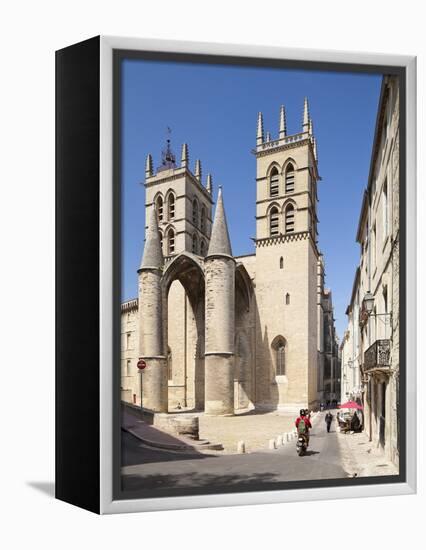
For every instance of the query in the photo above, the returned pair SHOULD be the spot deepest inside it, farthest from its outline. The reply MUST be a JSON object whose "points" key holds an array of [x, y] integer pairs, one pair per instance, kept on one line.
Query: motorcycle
{"points": [[301, 445]]}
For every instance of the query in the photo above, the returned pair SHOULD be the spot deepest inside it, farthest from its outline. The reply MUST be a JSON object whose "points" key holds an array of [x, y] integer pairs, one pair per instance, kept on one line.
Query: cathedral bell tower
{"points": [[286, 259], [287, 176], [182, 202]]}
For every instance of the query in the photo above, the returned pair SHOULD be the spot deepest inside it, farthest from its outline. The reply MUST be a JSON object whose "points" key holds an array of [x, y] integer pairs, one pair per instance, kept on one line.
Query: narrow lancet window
{"points": [[170, 242], [171, 206], [274, 222], [281, 359], [274, 189], [203, 220], [289, 179], [159, 207], [195, 213], [194, 244], [289, 219]]}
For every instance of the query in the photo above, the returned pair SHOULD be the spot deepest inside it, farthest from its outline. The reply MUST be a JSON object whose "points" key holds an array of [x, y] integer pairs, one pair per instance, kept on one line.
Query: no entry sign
{"points": [[141, 364]]}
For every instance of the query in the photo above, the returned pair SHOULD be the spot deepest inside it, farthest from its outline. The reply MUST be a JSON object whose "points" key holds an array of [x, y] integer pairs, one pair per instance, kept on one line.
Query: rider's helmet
{"points": [[302, 412]]}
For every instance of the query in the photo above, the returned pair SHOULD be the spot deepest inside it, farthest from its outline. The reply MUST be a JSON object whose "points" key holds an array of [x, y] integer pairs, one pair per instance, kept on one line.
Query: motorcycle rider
{"points": [[303, 425]]}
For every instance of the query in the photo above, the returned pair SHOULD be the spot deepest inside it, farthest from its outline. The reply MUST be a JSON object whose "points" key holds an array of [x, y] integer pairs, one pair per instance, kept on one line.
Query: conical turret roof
{"points": [[152, 254], [220, 242]]}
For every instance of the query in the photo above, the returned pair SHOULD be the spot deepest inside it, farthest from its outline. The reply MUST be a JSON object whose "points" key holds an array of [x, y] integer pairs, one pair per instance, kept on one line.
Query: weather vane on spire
{"points": [[168, 158]]}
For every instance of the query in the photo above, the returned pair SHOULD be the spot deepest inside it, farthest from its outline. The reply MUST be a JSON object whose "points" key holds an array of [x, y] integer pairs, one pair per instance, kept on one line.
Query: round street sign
{"points": [[141, 364]]}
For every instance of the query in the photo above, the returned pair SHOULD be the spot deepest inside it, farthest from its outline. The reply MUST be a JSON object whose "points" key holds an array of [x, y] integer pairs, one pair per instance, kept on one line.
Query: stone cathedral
{"points": [[223, 333]]}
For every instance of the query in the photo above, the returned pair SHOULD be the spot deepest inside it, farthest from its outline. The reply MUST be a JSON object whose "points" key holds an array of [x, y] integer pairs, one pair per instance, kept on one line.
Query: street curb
{"points": [[172, 446]]}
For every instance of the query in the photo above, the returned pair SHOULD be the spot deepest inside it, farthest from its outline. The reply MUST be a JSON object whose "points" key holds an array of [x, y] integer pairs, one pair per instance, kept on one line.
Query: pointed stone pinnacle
{"points": [[268, 136], [152, 255], [209, 185], [198, 170], [259, 135], [283, 123], [305, 115], [148, 166], [185, 156], [220, 242]]}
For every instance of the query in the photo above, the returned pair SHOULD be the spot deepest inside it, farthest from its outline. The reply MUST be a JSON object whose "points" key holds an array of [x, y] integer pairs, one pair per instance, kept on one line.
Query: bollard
{"points": [[241, 447], [272, 444], [279, 440], [288, 437]]}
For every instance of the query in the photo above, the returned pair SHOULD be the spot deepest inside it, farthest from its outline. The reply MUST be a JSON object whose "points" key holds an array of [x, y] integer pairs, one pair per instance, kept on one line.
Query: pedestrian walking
{"points": [[328, 420]]}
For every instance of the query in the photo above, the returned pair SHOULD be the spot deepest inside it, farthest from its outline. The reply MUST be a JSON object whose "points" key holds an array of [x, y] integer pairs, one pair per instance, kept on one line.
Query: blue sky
{"points": [[214, 109]]}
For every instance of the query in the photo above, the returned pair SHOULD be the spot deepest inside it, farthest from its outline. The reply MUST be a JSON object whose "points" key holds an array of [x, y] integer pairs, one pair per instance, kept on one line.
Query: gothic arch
{"points": [[289, 160], [195, 243], [243, 281], [170, 195], [195, 212], [244, 316], [170, 233], [289, 178], [279, 348], [273, 219], [181, 265], [169, 192], [158, 203], [203, 247], [277, 340], [286, 203], [290, 210], [271, 206], [203, 218], [187, 270], [273, 164]]}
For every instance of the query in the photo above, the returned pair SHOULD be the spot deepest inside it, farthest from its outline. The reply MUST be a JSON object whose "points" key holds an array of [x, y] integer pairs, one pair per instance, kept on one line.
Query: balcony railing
{"points": [[377, 356]]}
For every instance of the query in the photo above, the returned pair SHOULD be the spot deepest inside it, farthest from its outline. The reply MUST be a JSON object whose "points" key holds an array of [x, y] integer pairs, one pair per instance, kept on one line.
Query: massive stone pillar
{"points": [[151, 348], [220, 322]]}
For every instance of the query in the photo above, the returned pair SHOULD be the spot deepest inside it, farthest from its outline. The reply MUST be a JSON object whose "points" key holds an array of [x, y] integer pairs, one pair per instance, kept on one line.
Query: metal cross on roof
{"points": [[168, 158]]}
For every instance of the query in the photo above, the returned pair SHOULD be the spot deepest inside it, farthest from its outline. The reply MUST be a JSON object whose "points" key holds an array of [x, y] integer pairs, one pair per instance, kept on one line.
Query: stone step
{"points": [[190, 445]]}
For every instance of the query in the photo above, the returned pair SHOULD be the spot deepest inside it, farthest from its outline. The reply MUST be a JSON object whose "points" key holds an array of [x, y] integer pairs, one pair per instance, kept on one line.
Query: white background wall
{"points": [[30, 32]]}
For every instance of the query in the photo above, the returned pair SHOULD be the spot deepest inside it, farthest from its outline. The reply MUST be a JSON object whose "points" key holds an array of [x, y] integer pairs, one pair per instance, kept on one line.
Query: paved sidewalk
{"points": [[254, 428], [361, 458]]}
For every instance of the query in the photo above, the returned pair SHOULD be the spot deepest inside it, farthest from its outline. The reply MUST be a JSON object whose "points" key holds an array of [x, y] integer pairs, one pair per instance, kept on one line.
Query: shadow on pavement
{"points": [[134, 452], [134, 482]]}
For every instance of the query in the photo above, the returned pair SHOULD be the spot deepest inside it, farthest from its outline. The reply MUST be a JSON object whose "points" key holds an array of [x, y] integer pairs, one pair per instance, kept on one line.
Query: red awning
{"points": [[351, 405]]}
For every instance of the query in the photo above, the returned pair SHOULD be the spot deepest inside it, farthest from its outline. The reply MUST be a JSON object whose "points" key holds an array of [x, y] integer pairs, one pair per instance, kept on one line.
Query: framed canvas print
{"points": [[235, 275]]}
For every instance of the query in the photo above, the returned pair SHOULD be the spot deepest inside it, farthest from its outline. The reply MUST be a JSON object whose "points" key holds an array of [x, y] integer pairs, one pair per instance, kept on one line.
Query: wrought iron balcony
{"points": [[377, 356]]}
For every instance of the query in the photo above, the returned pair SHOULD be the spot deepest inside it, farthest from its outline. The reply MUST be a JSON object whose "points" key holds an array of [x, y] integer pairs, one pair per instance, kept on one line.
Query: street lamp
{"points": [[369, 305], [369, 302]]}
